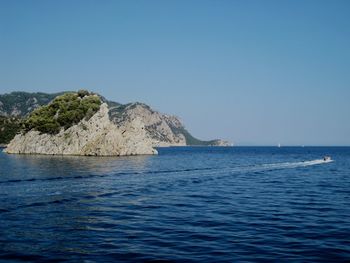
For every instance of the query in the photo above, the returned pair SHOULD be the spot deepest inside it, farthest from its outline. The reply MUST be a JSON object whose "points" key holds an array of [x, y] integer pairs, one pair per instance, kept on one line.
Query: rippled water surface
{"points": [[186, 204]]}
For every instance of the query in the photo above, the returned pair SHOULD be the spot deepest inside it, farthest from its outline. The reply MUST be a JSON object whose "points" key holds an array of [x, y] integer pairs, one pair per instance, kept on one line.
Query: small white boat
{"points": [[327, 159]]}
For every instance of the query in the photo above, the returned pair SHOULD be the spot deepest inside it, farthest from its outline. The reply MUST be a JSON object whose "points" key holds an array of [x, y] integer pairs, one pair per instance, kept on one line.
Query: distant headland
{"points": [[85, 123]]}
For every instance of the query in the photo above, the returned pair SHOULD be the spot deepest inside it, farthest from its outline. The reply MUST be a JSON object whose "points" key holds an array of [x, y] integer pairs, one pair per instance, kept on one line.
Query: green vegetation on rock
{"points": [[63, 112], [9, 127]]}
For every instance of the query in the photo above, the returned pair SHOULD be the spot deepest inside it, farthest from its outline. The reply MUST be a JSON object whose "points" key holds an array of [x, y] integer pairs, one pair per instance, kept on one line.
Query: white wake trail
{"points": [[265, 167], [296, 164]]}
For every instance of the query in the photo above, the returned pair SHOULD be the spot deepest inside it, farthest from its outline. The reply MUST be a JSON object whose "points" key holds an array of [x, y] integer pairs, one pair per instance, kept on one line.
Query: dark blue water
{"points": [[186, 204]]}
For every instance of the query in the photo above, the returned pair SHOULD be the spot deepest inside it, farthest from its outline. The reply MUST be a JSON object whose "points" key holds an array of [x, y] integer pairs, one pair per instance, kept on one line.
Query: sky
{"points": [[252, 72]]}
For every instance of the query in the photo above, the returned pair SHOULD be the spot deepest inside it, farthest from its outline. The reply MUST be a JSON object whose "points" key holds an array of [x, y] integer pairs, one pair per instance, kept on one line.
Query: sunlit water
{"points": [[186, 204]]}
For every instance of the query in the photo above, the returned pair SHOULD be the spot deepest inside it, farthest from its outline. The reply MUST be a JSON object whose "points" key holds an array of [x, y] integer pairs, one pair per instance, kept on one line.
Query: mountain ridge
{"points": [[164, 129]]}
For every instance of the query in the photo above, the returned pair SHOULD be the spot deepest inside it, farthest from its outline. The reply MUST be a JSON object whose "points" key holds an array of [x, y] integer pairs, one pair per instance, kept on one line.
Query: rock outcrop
{"points": [[221, 143], [158, 129], [163, 129], [98, 136]]}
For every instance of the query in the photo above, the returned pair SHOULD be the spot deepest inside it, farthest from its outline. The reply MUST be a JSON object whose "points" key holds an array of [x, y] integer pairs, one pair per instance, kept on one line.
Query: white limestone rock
{"points": [[98, 136], [159, 127]]}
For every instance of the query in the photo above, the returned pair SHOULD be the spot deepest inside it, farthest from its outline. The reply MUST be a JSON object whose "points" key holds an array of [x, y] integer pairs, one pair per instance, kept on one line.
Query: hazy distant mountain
{"points": [[19, 104]]}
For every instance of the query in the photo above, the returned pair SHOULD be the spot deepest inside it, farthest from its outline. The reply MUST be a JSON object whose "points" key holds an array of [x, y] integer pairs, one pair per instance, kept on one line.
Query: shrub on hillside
{"points": [[63, 112], [82, 93], [9, 127]]}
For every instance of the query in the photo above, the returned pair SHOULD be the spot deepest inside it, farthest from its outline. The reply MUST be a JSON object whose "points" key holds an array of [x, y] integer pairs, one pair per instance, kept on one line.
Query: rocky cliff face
{"points": [[98, 136], [163, 129], [160, 129]]}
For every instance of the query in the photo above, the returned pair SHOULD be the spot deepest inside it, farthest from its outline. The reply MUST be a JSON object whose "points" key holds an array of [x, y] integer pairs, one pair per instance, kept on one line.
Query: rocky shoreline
{"points": [[96, 137]]}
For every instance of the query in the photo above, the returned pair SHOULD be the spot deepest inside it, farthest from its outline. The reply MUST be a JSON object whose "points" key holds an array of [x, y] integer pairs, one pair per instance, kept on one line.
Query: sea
{"points": [[187, 204]]}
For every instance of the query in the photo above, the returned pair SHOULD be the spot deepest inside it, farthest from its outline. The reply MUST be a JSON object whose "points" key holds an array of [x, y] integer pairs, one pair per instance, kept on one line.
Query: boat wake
{"points": [[268, 167], [297, 164], [181, 176], [202, 171]]}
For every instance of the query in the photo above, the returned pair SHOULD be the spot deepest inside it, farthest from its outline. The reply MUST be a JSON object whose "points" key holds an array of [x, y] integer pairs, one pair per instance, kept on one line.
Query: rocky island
{"points": [[84, 123]]}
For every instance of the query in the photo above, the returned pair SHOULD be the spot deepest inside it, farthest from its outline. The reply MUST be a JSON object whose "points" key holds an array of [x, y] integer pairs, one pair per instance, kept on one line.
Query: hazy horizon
{"points": [[252, 72]]}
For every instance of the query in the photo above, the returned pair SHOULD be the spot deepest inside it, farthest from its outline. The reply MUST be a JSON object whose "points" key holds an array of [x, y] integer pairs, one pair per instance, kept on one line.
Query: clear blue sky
{"points": [[253, 72]]}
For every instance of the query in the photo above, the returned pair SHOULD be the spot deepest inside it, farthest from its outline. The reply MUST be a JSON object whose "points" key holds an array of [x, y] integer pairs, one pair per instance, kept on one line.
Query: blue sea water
{"points": [[193, 204]]}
